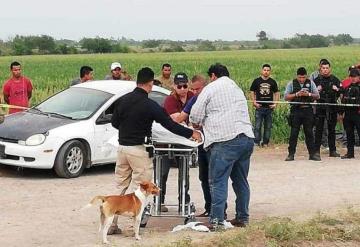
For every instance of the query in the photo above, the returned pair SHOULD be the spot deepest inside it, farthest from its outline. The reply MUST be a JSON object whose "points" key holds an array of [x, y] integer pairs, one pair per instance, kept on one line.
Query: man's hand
{"points": [[335, 88], [272, 106], [319, 88], [196, 136], [257, 106]]}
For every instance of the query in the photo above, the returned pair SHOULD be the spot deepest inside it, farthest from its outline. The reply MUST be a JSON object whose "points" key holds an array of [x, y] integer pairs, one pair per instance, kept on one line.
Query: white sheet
{"points": [[162, 135]]}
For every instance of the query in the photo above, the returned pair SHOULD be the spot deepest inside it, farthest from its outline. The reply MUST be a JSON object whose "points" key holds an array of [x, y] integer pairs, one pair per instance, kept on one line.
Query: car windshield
{"points": [[74, 102]]}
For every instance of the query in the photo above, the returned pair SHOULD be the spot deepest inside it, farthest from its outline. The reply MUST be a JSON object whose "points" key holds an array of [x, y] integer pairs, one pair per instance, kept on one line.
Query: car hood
{"points": [[20, 126]]}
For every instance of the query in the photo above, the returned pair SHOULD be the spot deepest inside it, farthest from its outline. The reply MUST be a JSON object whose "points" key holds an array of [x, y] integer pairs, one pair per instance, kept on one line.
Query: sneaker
{"points": [[315, 157], [347, 156], [334, 154], [290, 157], [114, 229], [264, 145], [164, 209], [238, 223]]}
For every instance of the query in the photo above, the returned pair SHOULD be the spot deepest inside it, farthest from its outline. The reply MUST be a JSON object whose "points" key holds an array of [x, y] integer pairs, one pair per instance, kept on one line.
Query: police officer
{"points": [[328, 86], [133, 116], [299, 92], [352, 114]]}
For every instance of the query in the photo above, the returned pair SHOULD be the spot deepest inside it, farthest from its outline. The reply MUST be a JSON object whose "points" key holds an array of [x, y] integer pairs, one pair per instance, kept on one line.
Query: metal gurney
{"points": [[165, 144]]}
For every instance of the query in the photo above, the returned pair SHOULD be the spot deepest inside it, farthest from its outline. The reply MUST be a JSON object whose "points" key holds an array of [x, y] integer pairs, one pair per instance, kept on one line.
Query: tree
{"points": [[343, 39], [206, 45], [96, 45], [262, 36], [45, 44], [151, 43]]}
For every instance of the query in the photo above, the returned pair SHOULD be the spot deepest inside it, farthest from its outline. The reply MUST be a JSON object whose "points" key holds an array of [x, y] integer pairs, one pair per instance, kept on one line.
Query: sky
{"points": [[178, 20]]}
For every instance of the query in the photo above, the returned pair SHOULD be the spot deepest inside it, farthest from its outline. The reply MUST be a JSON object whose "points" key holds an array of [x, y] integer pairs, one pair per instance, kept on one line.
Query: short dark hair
{"points": [[324, 62], [166, 65], [266, 66], [145, 75], [218, 70], [85, 70], [301, 71], [157, 82], [15, 63]]}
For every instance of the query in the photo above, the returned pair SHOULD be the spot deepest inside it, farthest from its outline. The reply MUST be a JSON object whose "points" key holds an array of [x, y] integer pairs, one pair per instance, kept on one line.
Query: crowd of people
{"points": [[316, 103]]}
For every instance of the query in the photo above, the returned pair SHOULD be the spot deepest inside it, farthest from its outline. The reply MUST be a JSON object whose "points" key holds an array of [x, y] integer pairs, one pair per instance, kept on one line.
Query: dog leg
{"points": [[107, 224], [102, 220], [137, 221]]}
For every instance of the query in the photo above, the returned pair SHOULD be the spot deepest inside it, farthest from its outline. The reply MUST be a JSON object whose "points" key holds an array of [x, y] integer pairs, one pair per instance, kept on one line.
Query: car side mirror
{"points": [[104, 119]]}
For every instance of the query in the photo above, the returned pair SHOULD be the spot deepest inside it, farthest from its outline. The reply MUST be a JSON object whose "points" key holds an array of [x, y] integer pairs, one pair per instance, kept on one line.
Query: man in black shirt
{"points": [[328, 86], [264, 88], [133, 116]]}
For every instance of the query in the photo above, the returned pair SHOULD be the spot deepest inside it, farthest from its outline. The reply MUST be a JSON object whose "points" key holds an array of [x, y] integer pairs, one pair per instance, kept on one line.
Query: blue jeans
{"points": [[230, 159], [263, 115]]}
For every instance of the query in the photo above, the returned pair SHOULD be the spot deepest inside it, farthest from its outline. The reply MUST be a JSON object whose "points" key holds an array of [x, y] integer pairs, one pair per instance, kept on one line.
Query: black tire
{"points": [[71, 159]]}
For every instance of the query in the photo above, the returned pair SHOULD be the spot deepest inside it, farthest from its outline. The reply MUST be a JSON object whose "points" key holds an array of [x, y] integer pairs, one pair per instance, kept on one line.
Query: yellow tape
{"points": [[13, 106]]}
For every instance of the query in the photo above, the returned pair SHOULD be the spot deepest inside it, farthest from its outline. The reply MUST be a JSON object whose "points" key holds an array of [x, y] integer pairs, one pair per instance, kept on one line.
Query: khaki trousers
{"points": [[133, 166]]}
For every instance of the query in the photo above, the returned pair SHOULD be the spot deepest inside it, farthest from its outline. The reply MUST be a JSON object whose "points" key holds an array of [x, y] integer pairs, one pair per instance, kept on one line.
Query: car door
{"points": [[105, 150]]}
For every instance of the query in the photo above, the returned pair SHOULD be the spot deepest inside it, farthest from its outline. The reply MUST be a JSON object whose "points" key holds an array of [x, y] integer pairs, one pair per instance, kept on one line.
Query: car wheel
{"points": [[71, 159]]}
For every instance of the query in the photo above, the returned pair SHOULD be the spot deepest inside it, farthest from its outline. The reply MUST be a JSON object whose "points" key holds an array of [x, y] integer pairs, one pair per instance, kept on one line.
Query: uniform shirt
{"points": [[221, 108], [189, 104], [326, 83], [134, 114], [173, 104], [166, 82], [289, 89], [18, 92], [264, 90]]}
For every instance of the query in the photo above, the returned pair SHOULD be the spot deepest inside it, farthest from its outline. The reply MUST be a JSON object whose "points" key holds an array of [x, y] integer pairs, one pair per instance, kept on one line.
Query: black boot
{"points": [[290, 157], [347, 156], [334, 154], [315, 157]]}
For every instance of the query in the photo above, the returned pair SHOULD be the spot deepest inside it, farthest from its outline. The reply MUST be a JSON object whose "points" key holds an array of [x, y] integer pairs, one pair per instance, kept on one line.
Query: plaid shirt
{"points": [[221, 108]]}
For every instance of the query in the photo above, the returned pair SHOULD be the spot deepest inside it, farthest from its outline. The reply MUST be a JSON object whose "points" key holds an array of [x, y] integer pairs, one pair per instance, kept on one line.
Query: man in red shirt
{"points": [[17, 90], [173, 105]]}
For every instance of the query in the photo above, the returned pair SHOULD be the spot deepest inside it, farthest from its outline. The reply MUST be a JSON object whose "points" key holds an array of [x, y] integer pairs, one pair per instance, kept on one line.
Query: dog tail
{"points": [[93, 202]]}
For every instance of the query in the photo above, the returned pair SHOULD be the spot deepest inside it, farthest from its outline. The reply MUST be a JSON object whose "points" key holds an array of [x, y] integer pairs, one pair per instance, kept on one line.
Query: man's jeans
{"points": [[230, 159], [263, 115]]}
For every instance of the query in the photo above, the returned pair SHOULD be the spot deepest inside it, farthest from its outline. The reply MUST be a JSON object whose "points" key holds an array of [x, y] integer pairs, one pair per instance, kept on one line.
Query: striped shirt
{"points": [[221, 108]]}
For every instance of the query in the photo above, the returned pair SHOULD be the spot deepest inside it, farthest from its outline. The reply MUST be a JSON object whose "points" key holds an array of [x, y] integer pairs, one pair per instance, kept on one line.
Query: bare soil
{"points": [[39, 209]]}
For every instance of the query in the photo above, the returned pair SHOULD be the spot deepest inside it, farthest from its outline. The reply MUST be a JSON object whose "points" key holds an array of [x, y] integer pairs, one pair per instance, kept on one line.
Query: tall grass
{"points": [[52, 73]]}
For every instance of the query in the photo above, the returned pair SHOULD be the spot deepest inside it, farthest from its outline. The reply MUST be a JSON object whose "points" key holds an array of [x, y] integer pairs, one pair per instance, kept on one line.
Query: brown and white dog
{"points": [[131, 205]]}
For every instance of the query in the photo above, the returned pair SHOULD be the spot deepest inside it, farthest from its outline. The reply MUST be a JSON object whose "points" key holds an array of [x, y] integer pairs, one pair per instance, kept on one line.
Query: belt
{"points": [[241, 135]]}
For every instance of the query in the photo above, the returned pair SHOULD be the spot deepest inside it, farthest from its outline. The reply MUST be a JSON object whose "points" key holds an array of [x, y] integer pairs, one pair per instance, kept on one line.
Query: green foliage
{"points": [[52, 73], [96, 45], [151, 43], [206, 45]]}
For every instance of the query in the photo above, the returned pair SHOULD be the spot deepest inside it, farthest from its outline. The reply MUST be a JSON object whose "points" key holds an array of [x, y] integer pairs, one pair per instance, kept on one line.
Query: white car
{"points": [[68, 131]]}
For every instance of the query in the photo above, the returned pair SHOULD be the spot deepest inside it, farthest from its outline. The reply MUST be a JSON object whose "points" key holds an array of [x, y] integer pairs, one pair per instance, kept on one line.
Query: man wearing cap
{"points": [[173, 105], [133, 116], [117, 73], [352, 114], [165, 78]]}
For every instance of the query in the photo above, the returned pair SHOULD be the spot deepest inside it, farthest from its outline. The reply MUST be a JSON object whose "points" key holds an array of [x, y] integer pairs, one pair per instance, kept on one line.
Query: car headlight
{"points": [[35, 140]]}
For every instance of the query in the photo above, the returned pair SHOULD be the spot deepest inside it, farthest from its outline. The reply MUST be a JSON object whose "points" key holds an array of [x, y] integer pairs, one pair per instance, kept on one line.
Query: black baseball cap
{"points": [[180, 78]]}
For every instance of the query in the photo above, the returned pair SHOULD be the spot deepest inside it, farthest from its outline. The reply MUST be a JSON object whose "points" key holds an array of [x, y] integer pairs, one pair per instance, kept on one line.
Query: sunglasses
{"points": [[185, 86]]}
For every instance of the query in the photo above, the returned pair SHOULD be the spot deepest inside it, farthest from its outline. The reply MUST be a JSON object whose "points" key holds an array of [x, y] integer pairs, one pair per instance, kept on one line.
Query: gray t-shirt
{"points": [[75, 81]]}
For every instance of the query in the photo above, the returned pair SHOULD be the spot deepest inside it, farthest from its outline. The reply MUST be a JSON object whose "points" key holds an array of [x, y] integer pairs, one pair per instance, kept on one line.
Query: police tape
{"points": [[13, 106], [304, 103]]}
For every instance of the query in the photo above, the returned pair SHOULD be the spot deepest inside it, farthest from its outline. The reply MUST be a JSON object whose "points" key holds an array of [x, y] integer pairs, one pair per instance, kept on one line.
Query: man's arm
{"points": [[29, 89], [115, 119], [181, 117], [253, 99], [288, 95], [161, 117], [6, 90], [197, 114]]}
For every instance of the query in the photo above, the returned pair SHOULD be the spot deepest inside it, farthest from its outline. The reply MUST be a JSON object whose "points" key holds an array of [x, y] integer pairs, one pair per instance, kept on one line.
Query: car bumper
{"points": [[41, 156]]}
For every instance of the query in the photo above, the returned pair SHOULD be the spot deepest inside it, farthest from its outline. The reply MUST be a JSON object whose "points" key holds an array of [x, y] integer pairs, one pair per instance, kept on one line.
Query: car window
{"points": [[74, 102], [158, 97]]}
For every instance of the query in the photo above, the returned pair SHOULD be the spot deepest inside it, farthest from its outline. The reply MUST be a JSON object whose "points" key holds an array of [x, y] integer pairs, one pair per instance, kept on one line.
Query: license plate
{"points": [[2, 151]]}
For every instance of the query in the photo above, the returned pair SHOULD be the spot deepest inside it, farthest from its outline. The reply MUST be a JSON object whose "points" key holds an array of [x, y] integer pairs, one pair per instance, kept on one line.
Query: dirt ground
{"points": [[38, 209]]}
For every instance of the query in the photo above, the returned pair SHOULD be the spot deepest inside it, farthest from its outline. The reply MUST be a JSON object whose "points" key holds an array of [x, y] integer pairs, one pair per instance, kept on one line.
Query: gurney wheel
{"points": [[145, 216], [189, 219]]}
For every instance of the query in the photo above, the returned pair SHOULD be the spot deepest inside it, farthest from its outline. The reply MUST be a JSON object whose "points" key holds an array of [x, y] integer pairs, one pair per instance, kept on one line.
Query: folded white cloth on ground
{"points": [[196, 226]]}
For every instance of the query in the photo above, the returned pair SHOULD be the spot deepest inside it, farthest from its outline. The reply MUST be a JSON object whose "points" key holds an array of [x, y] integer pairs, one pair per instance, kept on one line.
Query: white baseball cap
{"points": [[115, 65]]}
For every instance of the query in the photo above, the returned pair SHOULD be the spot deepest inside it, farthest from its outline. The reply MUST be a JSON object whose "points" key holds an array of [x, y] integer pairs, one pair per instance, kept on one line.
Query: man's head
{"points": [[86, 73], [145, 79], [180, 86], [216, 71], [15, 68], [198, 82], [166, 70], [116, 70], [354, 75], [325, 69], [301, 75], [266, 71]]}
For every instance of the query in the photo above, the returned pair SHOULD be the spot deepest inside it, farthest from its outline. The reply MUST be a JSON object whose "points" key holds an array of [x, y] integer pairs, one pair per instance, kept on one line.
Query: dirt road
{"points": [[38, 209]]}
